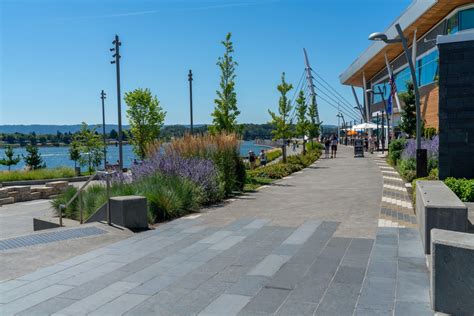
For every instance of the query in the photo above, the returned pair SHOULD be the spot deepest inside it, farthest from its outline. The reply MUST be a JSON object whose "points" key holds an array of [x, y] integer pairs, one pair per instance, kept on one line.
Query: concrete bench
{"points": [[127, 211], [438, 207], [452, 272]]}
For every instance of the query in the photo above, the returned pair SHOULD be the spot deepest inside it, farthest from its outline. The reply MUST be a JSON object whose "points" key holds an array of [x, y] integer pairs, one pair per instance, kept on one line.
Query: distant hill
{"points": [[53, 129], [254, 130]]}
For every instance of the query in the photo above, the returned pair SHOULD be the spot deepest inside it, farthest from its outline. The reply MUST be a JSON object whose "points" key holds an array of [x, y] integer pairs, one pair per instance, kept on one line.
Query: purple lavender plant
{"points": [[431, 145], [202, 172]]}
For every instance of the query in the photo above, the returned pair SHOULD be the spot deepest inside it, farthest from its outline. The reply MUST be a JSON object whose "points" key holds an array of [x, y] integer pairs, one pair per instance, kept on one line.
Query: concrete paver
{"points": [[309, 245]]}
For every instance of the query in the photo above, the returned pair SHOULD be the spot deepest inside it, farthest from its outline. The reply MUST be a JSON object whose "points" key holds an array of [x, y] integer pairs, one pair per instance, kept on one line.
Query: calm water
{"points": [[59, 156]]}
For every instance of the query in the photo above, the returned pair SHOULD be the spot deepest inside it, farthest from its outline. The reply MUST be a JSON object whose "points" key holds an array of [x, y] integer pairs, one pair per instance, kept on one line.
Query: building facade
{"points": [[422, 22]]}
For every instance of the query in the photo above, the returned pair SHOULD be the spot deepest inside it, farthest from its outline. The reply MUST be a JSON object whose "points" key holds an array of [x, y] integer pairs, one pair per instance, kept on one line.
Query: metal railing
{"points": [[78, 195]]}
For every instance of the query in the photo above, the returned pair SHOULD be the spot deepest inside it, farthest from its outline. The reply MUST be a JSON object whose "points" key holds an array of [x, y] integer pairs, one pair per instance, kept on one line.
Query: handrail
{"points": [[78, 194]]}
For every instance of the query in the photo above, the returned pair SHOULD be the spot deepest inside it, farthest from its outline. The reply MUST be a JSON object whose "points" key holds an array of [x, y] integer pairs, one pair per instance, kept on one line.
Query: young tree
{"points": [[74, 153], [113, 134], [226, 111], [9, 160], [33, 159], [145, 117], [314, 129], [90, 147], [281, 121], [408, 116], [302, 122]]}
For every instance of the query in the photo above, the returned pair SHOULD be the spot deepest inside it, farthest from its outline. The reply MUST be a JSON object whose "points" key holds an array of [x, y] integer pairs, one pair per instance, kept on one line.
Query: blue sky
{"points": [[55, 53]]}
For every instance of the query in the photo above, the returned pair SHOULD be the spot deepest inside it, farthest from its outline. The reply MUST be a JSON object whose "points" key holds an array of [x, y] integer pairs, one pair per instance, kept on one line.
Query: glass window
{"points": [[385, 87], [466, 19], [401, 79], [427, 68], [452, 24]]}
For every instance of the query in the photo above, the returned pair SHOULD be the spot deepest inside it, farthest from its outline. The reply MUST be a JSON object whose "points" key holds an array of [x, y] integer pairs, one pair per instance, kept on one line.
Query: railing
{"points": [[78, 195]]}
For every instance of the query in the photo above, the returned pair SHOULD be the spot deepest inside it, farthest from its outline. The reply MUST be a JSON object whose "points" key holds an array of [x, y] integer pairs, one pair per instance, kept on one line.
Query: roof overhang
{"points": [[421, 15]]}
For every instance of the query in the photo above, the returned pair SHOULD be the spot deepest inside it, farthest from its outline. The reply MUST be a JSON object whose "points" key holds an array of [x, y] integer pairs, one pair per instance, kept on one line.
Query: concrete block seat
{"points": [[438, 207], [452, 272], [127, 211]]}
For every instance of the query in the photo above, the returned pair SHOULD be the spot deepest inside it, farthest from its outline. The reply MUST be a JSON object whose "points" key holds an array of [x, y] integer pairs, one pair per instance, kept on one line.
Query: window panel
{"points": [[466, 19]]}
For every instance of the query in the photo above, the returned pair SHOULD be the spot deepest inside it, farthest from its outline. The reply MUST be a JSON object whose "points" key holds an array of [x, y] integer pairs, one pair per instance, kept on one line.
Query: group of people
{"points": [[330, 143], [253, 158]]}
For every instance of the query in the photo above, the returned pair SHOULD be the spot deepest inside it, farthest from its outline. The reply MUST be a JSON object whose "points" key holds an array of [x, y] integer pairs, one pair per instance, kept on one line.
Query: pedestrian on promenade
{"points": [[333, 146], [252, 159], [294, 145], [327, 144], [263, 158], [371, 144]]}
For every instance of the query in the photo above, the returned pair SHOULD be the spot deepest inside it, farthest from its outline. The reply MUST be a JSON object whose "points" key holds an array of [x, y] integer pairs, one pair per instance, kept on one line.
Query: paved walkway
{"points": [[309, 245]]}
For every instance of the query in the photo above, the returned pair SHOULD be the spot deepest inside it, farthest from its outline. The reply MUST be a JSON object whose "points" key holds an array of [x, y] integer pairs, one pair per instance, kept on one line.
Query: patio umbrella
{"points": [[364, 126]]}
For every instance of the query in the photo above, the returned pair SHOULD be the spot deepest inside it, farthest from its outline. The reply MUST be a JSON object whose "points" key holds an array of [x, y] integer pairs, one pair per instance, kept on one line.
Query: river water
{"points": [[59, 156]]}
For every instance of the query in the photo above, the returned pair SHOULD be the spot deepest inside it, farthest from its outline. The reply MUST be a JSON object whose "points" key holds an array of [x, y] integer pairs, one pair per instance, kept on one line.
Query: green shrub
{"points": [[168, 197], [407, 169], [432, 164], [395, 149], [37, 174], [463, 188]]}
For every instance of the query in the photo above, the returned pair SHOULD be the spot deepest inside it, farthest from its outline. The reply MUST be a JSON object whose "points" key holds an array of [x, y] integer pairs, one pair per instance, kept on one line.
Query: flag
{"points": [[393, 93], [393, 86], [389, 105]]}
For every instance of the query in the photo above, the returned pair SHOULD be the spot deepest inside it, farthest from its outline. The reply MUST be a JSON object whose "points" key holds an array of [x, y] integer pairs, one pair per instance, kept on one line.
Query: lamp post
{"points": [[116, 61], [421, 154], [190, 79], [102, 96], [386, 111]]}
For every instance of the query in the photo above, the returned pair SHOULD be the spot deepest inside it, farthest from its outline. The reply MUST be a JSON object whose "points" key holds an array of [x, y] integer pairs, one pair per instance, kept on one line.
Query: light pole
{"points": [[116, 61], [190, 79], [102, 96], [421, 154], [386, 111]]}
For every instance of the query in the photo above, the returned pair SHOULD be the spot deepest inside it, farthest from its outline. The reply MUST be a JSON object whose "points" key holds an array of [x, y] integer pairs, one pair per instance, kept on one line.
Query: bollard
{"points": [[109, 220]]}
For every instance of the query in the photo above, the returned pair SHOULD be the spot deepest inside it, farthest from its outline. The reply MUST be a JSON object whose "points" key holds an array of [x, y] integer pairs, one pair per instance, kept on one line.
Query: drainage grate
{"points": [[44, 238]]}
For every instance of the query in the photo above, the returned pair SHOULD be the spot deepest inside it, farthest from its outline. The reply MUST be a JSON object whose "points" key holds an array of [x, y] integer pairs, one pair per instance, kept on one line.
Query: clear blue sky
{"points": [[55, 53]]}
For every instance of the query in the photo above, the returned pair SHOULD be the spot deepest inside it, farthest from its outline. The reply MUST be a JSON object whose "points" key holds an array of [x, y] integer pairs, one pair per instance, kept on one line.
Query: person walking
{"points": [[327, 145], [252, 159], [333, 146], [263, 158]]}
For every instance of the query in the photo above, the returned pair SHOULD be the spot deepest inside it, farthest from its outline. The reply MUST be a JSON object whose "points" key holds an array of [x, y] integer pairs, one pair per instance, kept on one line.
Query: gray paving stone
{"points": [[94, 286], [226, 304], [257, 223], [28, 288], [340, 299], [154, 285], [194, 279], [268, 300], [286, 249], [248, 285], [47, 307], [291, 308], [227, 243], [302, 233], [160, 304], [194, 248], [205, 255], [11, 284], [384, 269], [288, 276], [96, 300], [231, 274], [411, 308], [239, 224], [92, 274], [412, 264], [412, 287], [311, 290], [350, 275], [373, 311], [120, 305], [377, 293], [269, 266], [324, 267], [360, 247], [32, 299], [216, 237]]}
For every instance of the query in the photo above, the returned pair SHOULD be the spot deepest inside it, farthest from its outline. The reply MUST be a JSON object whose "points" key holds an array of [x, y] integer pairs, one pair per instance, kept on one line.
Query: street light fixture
{"points": [[421, 154], [382, 95]]}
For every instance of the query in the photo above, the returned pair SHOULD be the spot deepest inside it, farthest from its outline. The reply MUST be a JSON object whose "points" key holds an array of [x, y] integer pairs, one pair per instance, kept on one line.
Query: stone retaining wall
{"points": [[13, 194]]}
